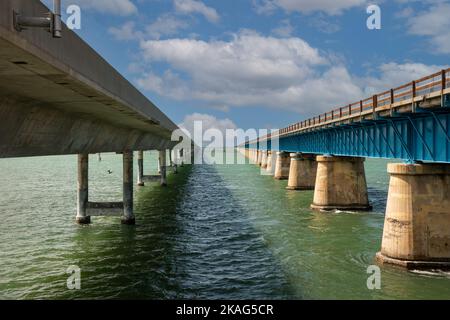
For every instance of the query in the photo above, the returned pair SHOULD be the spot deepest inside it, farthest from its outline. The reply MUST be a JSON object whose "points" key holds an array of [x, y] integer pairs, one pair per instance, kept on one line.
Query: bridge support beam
{"points": [[282, 165], [340, 184], [259, 161], [417, 223], [302, 172], [140, 176], [163, 167], [128, 215], [83, 189], [264, 159]]}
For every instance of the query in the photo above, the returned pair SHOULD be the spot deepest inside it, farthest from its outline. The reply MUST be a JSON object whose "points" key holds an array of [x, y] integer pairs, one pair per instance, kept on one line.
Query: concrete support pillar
{"points": [[163, 168], [140, 176], [282, 166], [416, 231], [302, 172], [182, 158], [340, 184], [271, 159], [264, 159], [259, 160], [128, 215], [83, 189]]}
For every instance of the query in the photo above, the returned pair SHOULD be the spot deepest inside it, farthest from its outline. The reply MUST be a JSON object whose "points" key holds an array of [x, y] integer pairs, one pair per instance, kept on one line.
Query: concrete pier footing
{"points": [[302, 172], [259, 161], [264, 159], [163, 167], [128, 215], [416, 231], [340, 184], [282, 166], [83, 189]]}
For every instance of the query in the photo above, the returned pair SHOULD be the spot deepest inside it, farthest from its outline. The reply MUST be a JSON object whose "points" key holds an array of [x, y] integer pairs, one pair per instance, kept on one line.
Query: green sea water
{"points": [[216, 232]]}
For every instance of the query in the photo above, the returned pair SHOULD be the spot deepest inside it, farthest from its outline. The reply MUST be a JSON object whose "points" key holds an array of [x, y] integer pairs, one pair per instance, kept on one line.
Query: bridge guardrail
{"points": [[434, 83]]}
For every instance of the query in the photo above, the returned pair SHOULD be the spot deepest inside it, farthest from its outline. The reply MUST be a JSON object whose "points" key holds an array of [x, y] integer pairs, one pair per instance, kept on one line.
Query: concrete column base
{"points": [[302, 172], [259, 161], [282, 165], [416, 230], [83, 220], [340, 184], [128, 221]]}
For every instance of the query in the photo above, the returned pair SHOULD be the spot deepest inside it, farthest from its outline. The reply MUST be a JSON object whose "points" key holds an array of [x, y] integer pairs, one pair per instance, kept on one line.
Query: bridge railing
{"points": [[437, 82]]}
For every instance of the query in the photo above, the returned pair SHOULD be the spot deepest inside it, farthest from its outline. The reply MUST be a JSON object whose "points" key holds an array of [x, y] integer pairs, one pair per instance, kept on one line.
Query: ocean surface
{"points": [[216, 232]]}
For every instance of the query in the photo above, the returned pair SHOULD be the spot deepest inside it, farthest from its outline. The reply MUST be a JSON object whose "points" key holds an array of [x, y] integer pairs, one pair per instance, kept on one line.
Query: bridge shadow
{"points": [[192, 240]]}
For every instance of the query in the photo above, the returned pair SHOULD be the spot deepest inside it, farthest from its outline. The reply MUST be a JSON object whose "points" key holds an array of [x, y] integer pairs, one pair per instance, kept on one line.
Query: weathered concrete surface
{"points": [[302, 172], [270, 162], [140, 176], [83, 189], [282, 165], [128, 214], [417, 222], [163, 167], [259, 161], [340, 184], [264, 158], [58, 96]]}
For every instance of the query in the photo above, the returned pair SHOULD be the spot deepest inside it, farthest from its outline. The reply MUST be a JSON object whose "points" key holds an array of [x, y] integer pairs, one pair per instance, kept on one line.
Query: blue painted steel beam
{"points": [[422, 136]]}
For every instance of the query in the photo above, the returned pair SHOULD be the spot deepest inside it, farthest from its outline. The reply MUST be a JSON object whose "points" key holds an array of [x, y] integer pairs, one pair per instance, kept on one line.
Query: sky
{"points": [[264, 63]]}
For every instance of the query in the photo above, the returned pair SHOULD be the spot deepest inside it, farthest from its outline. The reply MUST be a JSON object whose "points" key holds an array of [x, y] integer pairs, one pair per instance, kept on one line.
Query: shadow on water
{"points": [[192, 240]]}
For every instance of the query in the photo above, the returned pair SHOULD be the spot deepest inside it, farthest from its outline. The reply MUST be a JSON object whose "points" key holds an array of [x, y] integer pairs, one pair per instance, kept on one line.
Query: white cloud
{"points": [[261, 71], [125, 32], [207, 121], [392, 75], [195, 6], [165, 25], [249, 70], [434, 24], [331, 7], [284, 30], [116, 7]]}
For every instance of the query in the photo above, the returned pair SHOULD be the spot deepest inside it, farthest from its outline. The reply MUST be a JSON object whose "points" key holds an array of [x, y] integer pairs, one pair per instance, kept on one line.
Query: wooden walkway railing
{"points": [[437, 82]]}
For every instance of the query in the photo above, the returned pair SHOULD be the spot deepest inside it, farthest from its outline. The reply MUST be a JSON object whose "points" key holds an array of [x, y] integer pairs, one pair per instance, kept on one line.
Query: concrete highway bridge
{"points": [[326, 154], [59, 97]]}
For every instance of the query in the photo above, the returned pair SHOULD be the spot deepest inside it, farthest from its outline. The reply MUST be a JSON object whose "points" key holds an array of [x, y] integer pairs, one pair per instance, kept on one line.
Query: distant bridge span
{"points": [[411, 122]]}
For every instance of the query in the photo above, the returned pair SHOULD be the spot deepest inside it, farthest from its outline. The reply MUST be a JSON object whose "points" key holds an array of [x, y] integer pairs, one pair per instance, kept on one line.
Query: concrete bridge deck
{"points": [[58, 96]]}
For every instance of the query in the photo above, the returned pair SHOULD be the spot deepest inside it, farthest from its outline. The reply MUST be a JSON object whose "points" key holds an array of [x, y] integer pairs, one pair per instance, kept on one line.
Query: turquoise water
{"points": [[216, 232]]}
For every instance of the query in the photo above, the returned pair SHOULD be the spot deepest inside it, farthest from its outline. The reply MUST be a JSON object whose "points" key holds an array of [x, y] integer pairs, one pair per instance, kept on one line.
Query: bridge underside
{"points": [[29, 128], [412, 137], [58, 96]]}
